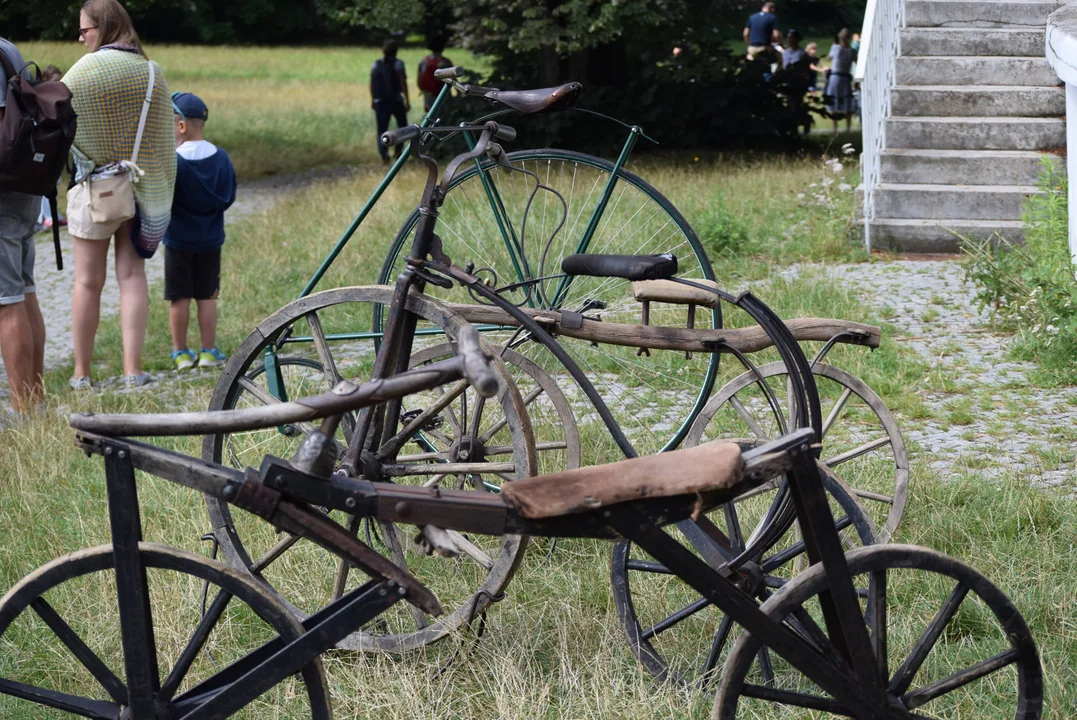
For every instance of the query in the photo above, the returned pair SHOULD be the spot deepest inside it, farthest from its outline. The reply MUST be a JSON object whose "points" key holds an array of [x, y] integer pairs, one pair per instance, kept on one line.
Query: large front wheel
{"points": [[516, 227]]}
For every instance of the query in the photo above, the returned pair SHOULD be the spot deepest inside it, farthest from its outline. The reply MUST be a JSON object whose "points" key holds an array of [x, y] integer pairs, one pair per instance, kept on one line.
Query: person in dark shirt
{"points": [[389, 94], [796, 78], [205, 188], [761, 31]]}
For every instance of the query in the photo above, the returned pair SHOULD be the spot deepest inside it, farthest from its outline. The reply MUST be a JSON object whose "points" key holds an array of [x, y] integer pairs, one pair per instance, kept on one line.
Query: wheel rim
{"points": [[305, 575], [921, 591], [679, 637], [84, 581], [856, 421], [653, 397]]}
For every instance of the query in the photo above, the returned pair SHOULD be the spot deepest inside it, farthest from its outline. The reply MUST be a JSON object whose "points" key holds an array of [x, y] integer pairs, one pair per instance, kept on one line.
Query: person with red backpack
{"points": [[428, 84], [22, 328]]}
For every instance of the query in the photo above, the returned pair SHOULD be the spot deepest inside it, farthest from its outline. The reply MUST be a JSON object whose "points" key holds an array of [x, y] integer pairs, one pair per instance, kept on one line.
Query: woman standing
{"points": [[109, 87], [840, 102]]}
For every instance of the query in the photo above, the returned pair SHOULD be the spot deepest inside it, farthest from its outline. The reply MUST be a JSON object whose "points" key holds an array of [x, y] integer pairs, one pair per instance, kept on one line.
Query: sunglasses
{"points": [[84, 30]]}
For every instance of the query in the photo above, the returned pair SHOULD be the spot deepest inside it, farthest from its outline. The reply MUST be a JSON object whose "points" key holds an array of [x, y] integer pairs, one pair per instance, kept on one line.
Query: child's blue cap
{"points": [[190, 106]]}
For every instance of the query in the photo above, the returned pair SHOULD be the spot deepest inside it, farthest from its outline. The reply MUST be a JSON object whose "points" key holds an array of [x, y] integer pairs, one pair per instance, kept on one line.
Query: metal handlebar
{"points": [[475, 362]]}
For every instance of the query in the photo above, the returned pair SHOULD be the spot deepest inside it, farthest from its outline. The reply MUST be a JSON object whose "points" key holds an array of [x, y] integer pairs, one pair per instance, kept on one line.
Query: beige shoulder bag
{"points": [[111, 190]]}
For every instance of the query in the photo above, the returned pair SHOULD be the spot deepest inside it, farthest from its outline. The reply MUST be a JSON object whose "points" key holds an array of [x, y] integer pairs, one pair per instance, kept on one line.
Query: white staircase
{"points": [[973, 107]]}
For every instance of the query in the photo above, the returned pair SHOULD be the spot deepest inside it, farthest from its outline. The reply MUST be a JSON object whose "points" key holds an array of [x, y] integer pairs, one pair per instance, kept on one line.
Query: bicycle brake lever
{"points": [[495, 152]]}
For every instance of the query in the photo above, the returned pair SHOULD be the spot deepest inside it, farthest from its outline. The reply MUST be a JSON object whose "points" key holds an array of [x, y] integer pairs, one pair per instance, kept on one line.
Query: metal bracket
{"points": [[571, 320], [337, 492]]}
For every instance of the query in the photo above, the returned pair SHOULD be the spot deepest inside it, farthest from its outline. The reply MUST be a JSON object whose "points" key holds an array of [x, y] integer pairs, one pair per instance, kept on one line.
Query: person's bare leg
{"points": [[179, 317], [848, 123], [17, 348], [207, 322], [91, 260], [37, 328], [134, 300]]}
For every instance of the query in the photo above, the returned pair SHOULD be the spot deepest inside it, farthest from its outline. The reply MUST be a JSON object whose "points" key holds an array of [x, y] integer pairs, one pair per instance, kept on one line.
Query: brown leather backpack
{"points": [[35, 137]]}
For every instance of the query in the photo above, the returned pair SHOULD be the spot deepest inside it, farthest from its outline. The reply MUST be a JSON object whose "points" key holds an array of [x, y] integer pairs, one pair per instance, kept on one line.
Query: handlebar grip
{"points": [[506, 133], [449, 73], [476, 363], [400, 135]]}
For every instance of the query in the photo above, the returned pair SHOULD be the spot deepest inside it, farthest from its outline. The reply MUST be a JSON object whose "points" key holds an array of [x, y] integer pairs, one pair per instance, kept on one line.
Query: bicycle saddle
{"points": [[539, 100], [711, 467], [629, 267]]}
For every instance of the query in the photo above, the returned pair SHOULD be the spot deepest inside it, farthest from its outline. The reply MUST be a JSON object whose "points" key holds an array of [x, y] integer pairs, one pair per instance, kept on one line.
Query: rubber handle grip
{"points": [[400, 135], [629, 267], [475, 361], [506, 133], [449, 73]]}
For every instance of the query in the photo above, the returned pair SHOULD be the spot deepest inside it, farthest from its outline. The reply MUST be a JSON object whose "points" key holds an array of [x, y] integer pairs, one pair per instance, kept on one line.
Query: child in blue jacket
{"points": [[205, 188]]}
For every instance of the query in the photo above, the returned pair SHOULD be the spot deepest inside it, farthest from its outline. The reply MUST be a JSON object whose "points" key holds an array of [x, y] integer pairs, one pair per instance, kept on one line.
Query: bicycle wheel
{"points": [[952, 644], [60, 629], [680, 637], [861, 438], [515, 234], [328, 336]]}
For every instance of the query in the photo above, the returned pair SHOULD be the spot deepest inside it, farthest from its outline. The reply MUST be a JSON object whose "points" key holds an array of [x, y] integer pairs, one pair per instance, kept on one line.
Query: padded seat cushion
{"points": [[668, 291], [713, 466]]}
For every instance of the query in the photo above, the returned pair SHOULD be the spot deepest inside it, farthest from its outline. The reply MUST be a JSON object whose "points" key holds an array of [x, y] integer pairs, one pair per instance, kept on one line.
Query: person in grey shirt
{"points": [[22, 329]]}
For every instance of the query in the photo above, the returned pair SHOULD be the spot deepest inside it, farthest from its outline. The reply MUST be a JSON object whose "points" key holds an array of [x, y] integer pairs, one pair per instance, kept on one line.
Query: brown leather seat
{"points": [[540, 100], [709, 467]]}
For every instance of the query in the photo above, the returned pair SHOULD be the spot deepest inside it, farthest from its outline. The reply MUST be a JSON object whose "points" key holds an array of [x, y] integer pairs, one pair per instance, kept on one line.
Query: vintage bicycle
{"points": [[883, 652], [456, 439]]}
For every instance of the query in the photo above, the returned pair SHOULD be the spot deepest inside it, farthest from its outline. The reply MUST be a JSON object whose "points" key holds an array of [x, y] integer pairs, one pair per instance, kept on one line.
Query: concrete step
{"points": [[939, 236], [978, 100], [961, 202], [1019, 42], [976, 133], [958, 70], [962, 167], [986, 13]]}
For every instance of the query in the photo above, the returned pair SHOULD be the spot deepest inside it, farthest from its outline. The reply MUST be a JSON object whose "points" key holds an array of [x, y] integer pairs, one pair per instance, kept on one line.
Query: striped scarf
{"points": [[108, 88]]}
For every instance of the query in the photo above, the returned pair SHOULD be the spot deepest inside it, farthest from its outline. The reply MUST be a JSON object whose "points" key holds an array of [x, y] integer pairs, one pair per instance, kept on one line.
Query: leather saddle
{"points": [[540, 100]]}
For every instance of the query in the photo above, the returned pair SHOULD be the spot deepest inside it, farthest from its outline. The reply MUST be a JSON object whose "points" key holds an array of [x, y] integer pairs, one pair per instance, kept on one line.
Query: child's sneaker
{"points": [[211, 358], [184, 359]]}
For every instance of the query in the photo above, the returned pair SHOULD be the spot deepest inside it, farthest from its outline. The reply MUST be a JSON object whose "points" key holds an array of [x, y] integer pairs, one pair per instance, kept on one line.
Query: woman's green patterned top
{"points": [[108, 89]]}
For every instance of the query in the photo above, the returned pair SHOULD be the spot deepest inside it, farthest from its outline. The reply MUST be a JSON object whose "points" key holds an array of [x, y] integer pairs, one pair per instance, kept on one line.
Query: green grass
{"points": [[276, 110]]}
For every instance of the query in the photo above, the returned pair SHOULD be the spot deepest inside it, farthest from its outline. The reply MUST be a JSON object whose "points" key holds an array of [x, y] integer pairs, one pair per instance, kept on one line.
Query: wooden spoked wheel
{"points": [[861, 440], [951, 645], [679, 636], [321, 339], [65, 619]]}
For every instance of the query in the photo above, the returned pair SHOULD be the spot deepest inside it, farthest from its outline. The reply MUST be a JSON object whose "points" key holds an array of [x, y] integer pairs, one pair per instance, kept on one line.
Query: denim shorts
{"points": [[18, 213]]}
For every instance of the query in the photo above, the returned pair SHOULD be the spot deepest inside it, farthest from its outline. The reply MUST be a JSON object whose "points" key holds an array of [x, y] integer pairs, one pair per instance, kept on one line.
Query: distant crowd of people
{"points": [[801, 67], [144, 175]]}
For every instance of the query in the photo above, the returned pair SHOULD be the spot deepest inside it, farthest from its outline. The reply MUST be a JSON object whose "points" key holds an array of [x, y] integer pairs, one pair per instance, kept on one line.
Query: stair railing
{"points": [[876, 69]]}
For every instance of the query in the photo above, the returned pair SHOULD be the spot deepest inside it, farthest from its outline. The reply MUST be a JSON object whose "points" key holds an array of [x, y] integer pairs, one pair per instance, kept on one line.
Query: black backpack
{"points": [[35, 138], [384, 80]]}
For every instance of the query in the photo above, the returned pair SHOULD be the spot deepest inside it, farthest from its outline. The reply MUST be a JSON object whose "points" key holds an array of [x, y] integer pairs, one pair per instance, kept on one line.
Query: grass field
{"points": [[553, 648]]}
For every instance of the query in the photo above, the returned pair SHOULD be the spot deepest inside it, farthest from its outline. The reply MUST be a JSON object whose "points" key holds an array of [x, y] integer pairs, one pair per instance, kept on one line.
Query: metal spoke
{"points": [[682, 614], [857, 451], [194, 646], [907, 672], [959, 679], [647, 566], [716, 647], [798, 699], [89, 659], [97, 709]]}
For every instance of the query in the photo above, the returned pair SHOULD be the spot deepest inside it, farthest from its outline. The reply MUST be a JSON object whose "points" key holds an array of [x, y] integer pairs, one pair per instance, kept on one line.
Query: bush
{"points": [[1031, 290], [721, 231]]}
